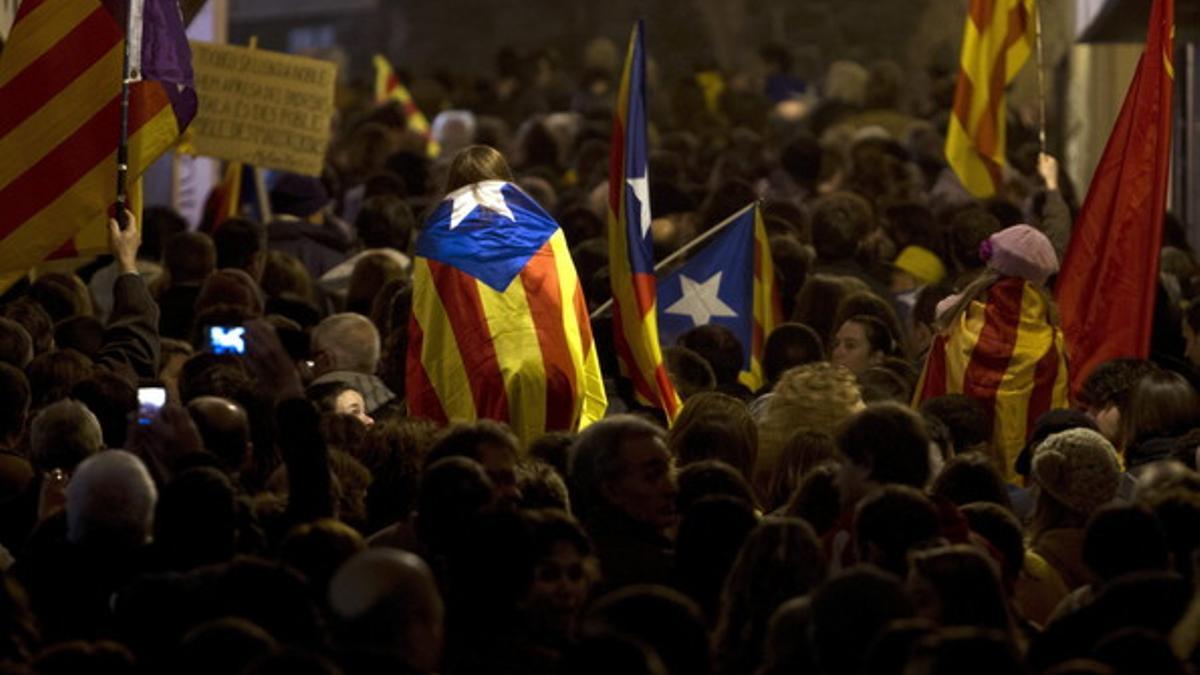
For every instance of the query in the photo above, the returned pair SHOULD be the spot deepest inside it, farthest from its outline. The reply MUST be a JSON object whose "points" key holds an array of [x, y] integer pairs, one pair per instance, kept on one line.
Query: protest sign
{"points": [[262, 108]]}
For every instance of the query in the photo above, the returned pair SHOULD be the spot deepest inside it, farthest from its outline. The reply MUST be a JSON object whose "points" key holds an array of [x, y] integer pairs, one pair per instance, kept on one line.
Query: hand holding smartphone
{"points": [[150, 401]]}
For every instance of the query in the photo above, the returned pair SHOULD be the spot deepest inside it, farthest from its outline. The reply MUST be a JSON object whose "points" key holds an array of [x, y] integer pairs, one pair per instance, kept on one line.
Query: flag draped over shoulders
{"points": [[997, 41], [60, 83], [1112, 259], [1004, 352], [630, 255], [730, 282], [499, 325]]}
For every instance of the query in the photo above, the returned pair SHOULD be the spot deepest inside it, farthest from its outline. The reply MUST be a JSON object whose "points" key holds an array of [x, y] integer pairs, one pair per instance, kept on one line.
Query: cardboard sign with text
{"points": [[263, 108]]}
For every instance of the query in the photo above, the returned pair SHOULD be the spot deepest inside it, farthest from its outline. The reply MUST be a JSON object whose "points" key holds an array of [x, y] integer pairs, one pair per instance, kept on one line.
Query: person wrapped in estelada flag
{"points": [[999, 341], [500, 326]]}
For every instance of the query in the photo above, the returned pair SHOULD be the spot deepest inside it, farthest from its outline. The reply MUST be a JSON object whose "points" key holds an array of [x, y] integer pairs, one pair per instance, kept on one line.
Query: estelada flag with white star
{"points": [[499, 326], [630, 254], [730, 282]]}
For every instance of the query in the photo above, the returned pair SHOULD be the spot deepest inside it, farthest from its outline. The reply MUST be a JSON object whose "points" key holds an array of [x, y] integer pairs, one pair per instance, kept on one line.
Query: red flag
{"points": [[1109, 274]]}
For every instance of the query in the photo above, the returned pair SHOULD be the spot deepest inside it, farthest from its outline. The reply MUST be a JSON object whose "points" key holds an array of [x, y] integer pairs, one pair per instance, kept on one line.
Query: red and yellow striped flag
{"points": [[389, 88], [60, 84], [227, 196], [1004, 353], [996, 43]]}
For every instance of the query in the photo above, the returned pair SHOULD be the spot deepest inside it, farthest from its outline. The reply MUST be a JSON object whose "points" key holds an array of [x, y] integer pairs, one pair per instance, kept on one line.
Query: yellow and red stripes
{"points": [[60, 79], [388, 87], [1004, 354], [524, 356], [768, 313], [996, 43]]}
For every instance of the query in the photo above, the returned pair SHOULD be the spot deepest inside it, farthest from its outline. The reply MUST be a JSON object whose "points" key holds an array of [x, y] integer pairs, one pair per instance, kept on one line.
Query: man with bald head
{"points": [[62, 435], [110, 502], [345, 348], [225, 430], [388, 615], [16, 347], [96, 545]]}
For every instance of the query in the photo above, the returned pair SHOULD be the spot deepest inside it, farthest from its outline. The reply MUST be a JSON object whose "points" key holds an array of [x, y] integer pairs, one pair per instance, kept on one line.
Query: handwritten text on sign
{"points": [[263, 108]]}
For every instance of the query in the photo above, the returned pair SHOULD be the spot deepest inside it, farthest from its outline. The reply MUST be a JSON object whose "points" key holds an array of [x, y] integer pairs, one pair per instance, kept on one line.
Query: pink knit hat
{"points": [[1020, 251]]}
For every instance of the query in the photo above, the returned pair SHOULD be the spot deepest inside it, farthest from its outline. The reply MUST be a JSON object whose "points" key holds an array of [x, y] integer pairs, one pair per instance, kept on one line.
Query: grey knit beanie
{"points": [[1079, 468]]}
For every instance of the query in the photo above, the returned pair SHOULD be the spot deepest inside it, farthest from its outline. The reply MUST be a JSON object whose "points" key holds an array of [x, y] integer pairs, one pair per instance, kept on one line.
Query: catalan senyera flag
{"points": [[630, 255], [389, 88], [236, 196], [228, 194], [500, 327], [997, 41], [1005, 353], [730, 282], [1112, 259], [60, 117]]}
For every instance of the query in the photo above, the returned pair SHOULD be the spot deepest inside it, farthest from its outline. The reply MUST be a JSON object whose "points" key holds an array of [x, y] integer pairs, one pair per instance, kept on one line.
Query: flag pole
{"points": [[684, 250], [1041, 76], [127, 77]]}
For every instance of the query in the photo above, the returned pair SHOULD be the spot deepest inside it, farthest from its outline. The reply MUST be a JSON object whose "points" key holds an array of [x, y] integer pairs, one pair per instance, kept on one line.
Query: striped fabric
{"points": [[228, 195], [389, 88], [996, 43], [499, 325], [768, 310], [631, 259], [60, 82], [1006, 355], [1112, 260]]}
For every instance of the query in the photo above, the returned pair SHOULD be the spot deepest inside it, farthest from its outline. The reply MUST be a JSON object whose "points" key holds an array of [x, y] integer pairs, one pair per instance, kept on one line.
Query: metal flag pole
{"points": [[684, 250], [1041, 76], [127, 78]]}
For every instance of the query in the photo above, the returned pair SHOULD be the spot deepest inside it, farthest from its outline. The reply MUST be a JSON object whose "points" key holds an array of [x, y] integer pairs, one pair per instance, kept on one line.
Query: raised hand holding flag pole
{"points": [[62, 74]]}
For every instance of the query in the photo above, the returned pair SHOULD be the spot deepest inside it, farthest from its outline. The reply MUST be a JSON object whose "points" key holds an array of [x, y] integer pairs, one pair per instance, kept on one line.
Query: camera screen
{"points": [[150, 399], [227, 339]]}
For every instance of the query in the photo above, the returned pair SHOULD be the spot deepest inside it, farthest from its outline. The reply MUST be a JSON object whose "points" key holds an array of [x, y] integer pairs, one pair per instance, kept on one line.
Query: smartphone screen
{"points": [[150, 400], [227, 339]]}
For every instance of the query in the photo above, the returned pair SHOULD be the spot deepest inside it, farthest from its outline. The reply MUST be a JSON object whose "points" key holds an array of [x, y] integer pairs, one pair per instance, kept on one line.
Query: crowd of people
{"points": [[282, 513]]}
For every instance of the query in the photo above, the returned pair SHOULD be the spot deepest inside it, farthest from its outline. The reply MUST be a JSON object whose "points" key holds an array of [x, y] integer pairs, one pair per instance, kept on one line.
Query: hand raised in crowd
{"points": [[124, 243], [53, 495], [269, 362], [1048, 170]]}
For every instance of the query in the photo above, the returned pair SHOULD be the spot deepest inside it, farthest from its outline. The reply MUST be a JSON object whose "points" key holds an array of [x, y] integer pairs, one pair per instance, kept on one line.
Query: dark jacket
{"points": [[320, 248], [1145, 451], [177, 307], [630, 552], [131, 339]]}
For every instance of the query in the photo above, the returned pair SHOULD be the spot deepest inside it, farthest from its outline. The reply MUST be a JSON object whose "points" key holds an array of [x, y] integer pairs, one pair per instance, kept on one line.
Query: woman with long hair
{"points": [[999, 341]]}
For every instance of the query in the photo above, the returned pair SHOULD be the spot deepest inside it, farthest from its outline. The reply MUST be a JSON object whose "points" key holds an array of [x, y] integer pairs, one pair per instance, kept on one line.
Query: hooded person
{"points": [[999, 341]]}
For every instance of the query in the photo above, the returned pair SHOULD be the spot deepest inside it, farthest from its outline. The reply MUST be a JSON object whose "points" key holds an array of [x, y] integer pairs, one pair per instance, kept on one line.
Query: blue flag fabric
{"points": [[468, 230], [715, 286]]}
